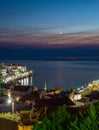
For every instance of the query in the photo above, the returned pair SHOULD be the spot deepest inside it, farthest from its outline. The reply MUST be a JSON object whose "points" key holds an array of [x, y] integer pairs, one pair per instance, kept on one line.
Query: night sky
{"points": [[49, 29]]}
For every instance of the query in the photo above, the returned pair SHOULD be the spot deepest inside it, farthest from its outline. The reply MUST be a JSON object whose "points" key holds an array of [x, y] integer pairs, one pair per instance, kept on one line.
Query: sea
{"points": [[64, 74]]}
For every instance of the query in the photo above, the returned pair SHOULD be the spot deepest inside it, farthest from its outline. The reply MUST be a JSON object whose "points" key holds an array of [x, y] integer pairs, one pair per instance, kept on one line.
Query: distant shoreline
{"points": [[47, 59]]}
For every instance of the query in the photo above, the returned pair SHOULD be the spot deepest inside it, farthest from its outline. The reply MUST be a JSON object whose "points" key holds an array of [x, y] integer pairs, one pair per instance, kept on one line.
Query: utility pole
{"points": [[1, 78]]}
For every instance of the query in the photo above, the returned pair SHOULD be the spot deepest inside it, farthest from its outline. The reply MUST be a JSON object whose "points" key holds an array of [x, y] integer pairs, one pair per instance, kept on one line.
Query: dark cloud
{"points": [[44, 53]]}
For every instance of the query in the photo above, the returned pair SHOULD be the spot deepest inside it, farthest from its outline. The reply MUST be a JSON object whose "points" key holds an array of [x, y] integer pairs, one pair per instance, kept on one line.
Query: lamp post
{"points": [[12, 105]]}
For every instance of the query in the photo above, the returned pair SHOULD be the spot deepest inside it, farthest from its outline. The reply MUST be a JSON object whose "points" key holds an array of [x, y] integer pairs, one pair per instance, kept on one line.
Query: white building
{"points": [[77, 96]]}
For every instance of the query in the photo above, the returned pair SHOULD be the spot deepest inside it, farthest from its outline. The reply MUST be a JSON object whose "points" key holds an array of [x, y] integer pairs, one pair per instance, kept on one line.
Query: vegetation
{"points": [[63, 120], [54, 121], [9, 116], [88, 121], [25, 117]]}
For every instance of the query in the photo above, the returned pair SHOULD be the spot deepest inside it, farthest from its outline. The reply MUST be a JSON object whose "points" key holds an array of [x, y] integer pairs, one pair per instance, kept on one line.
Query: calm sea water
{"points": [[65, 74]]}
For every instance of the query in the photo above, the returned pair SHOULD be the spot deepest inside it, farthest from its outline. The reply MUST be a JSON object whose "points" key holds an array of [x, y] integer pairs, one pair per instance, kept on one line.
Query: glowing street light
{"points": [[9, 101], [12, 105]]}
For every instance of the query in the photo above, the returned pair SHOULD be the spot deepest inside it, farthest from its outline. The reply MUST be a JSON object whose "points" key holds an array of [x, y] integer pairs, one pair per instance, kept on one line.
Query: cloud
{"points": [[44, 38]]}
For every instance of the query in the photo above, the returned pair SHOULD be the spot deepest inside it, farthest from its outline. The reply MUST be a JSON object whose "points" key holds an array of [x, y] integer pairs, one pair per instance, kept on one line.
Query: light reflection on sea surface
{"points": [[65, 74]]}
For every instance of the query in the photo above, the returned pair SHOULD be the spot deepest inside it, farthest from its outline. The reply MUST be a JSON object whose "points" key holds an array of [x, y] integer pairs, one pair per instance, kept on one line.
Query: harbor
{"points": [[16, 74], [17, 82]]}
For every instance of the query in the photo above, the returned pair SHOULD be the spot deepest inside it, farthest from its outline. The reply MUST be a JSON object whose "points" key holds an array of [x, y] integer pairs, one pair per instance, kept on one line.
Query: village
{"points": [[18, 94]]}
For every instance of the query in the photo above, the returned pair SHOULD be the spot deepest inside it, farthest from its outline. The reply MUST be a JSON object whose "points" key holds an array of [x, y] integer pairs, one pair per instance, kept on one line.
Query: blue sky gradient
{"points": [[48, 24], [64, 15]]}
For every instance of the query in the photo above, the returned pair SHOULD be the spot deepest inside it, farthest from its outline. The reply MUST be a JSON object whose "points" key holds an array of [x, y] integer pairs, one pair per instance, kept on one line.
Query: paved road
{"points": [[8, 107]]}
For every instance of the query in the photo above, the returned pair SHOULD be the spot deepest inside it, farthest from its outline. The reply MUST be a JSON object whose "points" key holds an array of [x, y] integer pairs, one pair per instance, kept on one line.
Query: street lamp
{"points": [[12, 105], [9, 101]]}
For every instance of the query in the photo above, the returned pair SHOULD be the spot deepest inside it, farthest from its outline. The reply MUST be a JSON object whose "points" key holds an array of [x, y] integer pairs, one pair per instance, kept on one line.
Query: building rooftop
{"points": [[55, 101]]}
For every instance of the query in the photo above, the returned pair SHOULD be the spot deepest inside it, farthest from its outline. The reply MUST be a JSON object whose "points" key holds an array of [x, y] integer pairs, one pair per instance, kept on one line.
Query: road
{"points": [[8, 107]]}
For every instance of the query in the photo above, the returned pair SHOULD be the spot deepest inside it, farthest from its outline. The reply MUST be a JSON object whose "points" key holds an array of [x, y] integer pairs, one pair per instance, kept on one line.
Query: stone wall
{"points": [[8, 124]]}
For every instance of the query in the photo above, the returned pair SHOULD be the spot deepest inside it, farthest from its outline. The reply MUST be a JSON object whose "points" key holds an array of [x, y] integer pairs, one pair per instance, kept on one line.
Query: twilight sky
{"points": [[61, 29]]}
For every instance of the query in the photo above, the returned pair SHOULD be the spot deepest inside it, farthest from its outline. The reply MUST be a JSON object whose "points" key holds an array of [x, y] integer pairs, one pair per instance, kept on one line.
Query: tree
{"points": [[55, 121], [61, 120], [88, 121]]}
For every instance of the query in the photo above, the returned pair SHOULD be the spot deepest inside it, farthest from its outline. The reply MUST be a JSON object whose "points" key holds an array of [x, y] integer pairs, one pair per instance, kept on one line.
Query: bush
{"points": [[25, 117], [55, 121], [62, 120], [9, 116]]}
